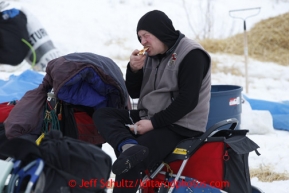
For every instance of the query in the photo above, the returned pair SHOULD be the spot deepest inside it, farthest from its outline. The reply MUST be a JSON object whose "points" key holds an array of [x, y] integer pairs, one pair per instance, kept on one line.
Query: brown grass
{"points": [[233, 70], [267, 41], [266, 174]]}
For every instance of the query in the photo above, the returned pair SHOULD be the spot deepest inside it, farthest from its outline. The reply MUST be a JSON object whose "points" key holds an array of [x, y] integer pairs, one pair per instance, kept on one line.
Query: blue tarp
{"points": [[17, 86], [279, 111]]}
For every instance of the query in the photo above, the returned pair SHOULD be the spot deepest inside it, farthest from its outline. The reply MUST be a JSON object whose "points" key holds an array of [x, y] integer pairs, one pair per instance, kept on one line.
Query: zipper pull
{"points": [[226, 157]]}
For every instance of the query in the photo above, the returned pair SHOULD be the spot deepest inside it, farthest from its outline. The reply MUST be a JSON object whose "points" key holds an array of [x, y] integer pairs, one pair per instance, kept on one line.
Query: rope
{"points": [[51, 121], [32, 50], [169, 168]]}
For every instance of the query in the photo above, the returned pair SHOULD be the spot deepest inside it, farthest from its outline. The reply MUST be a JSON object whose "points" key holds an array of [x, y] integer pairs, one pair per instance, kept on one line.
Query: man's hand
{"points": [[136, 61], [142, 127]]}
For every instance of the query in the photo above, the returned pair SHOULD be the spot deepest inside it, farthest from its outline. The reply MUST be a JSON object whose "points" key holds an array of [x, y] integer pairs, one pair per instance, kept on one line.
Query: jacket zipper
{"points": [[156, 73]]}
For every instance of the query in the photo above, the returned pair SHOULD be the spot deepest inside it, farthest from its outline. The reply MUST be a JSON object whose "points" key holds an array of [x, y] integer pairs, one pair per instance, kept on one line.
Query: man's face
{"points": [[154, 45]]}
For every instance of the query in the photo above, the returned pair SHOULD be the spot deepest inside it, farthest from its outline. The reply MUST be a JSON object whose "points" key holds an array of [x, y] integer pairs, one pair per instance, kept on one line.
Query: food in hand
{"points": [[143, 51]]}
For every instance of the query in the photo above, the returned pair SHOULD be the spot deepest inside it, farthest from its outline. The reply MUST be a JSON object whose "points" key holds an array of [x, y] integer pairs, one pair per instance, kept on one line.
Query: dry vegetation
{"points": [[266, 174], [267, 41]]}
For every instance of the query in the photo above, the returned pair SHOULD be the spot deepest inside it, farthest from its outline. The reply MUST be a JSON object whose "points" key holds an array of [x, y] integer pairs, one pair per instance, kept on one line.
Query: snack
{"points": [[142, 52], [132, 126]]}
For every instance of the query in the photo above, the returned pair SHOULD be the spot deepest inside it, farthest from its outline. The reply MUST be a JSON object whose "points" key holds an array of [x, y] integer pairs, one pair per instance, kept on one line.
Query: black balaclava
{"points": [[160, 25]]}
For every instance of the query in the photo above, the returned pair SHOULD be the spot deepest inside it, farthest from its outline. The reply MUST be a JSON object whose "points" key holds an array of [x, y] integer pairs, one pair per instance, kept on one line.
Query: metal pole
{"points": [[245, 41], [246, 57]]}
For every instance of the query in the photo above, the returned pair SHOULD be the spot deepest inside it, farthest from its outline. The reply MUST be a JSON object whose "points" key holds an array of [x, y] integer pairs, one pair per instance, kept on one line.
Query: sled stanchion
{"points": [[178, 174], [245, 39]]}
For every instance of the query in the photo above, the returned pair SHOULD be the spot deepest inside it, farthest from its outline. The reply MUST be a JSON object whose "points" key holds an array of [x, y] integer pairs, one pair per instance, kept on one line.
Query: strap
{"points": [[68, 123], [257, 152], [39, 139]]}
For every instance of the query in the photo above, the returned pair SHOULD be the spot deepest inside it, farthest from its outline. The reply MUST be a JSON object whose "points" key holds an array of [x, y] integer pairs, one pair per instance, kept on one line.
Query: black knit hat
{"points": [[160, 25]]}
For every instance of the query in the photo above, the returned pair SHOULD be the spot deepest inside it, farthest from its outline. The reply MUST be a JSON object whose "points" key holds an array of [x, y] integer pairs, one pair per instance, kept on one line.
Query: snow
{"points": [[108, 27]]}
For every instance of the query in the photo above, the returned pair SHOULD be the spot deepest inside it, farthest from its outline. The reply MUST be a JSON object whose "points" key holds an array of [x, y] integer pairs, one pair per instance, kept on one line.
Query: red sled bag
{"points": [[5, 109], [220, 162]]}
